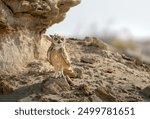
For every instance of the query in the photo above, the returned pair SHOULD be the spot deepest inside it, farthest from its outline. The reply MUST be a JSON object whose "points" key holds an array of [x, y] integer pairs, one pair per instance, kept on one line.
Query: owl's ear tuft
{"points": [[55, 35], [51, 36], [63, 39]]}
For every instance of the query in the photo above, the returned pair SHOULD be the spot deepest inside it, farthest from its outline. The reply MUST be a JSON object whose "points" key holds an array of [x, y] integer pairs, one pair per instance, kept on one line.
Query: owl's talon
{"points": [[58, 74]]}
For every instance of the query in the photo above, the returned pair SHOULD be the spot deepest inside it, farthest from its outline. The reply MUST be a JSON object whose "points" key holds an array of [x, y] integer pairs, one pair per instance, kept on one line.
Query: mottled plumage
{"points": [[57, 55]]}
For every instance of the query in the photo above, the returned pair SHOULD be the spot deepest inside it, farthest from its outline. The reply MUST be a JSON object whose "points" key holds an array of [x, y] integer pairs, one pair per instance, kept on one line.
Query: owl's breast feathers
{"points": [[58, 58]]}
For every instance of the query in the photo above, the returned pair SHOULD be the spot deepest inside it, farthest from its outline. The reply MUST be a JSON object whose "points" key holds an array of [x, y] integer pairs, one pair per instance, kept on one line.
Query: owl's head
{"points": [[58, 41]]}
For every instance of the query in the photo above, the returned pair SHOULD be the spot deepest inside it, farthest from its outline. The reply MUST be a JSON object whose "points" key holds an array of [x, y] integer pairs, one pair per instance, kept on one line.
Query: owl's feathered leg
{"points": [[67, 78], [62, 73], [57, 73]]}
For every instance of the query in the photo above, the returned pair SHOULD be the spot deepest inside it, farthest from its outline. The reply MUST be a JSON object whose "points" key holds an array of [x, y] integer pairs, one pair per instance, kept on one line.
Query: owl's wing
{"points": [[65, 56], [49, 54]]}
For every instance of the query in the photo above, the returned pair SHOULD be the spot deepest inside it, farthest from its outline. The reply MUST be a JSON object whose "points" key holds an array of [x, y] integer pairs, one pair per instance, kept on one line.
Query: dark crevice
{"points": [[24, 13], [8, 7]]}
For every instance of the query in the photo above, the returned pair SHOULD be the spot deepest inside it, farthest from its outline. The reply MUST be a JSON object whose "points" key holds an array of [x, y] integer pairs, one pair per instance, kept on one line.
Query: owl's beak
{"points": [[59, 41]]}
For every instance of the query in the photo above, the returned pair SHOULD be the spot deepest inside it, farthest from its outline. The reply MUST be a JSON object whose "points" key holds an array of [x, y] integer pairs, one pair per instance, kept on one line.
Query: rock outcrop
{"points": [[22, 22]]}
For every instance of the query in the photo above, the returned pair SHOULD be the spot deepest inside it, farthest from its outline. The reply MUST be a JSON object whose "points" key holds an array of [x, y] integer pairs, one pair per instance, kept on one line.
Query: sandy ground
{"points": [[104, 76]]}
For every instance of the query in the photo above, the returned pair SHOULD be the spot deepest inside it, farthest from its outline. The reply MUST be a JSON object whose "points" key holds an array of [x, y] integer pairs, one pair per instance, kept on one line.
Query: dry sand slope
{"points": [[104, 75]]}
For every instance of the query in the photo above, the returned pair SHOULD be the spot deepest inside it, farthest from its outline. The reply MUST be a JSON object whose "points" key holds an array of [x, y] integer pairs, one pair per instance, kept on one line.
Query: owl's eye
{"points": [[55, 38], [62, 39]]}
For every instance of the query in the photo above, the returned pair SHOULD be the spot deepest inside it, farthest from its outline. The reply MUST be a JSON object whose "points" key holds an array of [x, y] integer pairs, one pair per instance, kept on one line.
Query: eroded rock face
{"points": [[35, 15], [21, 24]]}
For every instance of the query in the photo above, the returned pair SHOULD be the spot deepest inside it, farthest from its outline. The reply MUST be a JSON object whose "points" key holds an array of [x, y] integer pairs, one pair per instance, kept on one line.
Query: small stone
{"points": [[55, 85], [124, 79], [84, 89], [109, 70], [5, 87], [138, 62], [105, 95], [146, 91], [87, 60], [94, 98], [79, 72]]}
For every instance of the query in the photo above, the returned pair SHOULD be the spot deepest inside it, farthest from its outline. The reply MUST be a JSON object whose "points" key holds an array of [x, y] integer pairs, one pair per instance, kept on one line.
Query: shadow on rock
{"points": [[21, 93]]}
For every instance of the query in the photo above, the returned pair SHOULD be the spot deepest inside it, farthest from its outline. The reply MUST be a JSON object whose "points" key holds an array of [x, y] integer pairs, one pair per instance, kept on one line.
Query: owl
{"points": [[58, 57]]}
